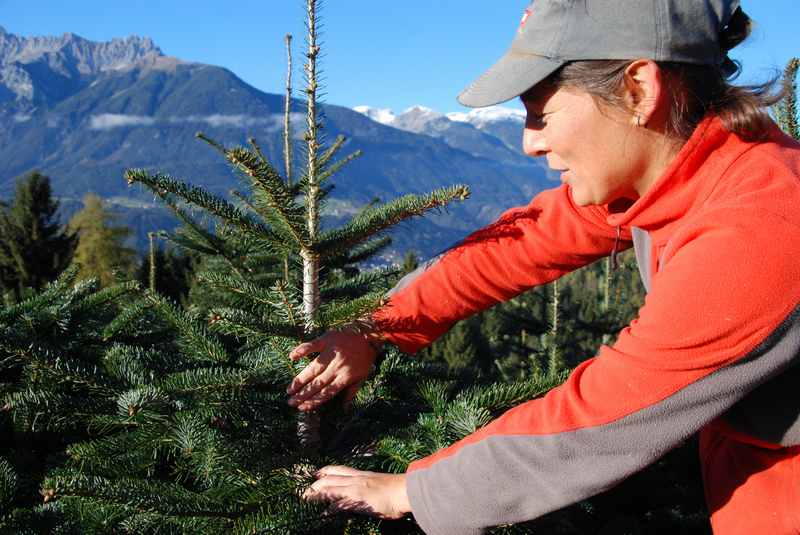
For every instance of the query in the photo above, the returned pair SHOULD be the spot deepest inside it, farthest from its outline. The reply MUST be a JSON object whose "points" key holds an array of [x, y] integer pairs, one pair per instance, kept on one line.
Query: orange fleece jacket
{"points": [[714, 348]]}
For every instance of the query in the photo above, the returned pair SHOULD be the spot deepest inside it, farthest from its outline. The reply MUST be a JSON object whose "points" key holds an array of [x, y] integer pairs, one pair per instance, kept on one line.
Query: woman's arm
{"points": [[526, 246]]}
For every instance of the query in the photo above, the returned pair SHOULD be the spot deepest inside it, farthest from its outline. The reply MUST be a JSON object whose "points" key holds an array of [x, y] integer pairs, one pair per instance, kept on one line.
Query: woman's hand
{"points": [[345, 359], [370, 493]]}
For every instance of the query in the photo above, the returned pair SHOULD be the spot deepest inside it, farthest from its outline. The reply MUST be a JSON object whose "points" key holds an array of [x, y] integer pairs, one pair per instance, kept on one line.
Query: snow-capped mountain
{"points": [[499, 122], [482, 116], [491, 132]]}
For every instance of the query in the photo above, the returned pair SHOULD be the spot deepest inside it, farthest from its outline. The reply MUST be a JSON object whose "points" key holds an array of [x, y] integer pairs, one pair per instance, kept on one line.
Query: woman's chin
{"points": [[579, 197]]}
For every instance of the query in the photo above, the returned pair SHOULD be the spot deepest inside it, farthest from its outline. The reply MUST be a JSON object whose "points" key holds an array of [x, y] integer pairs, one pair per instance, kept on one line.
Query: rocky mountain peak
{"points": [[31, 67], [88, 57]]}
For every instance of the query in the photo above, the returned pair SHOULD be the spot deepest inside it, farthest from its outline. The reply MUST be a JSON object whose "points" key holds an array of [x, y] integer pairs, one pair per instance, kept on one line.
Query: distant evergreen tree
{"points": [[461, 347], [34, 248], [101, 252]]}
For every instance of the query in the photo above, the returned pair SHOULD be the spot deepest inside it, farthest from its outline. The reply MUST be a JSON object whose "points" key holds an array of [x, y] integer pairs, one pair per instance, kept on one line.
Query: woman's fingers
{"points": [[334, 483], [348, 489], [314, 370], [335, 488], [313, 387], [338, 470], [345, 357], [305, 349], [323, 395]]}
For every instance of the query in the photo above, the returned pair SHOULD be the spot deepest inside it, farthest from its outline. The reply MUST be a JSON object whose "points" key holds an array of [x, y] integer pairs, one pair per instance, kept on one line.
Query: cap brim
{"points": [[512, 75]]}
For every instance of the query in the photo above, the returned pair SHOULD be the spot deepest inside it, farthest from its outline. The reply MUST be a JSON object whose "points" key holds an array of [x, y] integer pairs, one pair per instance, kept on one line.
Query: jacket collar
{"points": [[686, 183]]}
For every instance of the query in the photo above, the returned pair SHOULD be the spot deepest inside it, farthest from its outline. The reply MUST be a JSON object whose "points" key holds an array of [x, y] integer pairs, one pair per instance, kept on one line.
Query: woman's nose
{"points": [[533, 142]]}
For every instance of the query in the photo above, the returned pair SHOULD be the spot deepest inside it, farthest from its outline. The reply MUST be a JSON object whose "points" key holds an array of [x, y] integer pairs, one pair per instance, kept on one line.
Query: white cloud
{"points": [[21, 118], [272, 122], [228, 120], [381, 115], [113, 120]]}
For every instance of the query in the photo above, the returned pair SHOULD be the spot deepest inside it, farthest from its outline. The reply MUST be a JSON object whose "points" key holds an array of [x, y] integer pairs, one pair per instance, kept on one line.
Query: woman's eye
{"points": [[536, 120]]}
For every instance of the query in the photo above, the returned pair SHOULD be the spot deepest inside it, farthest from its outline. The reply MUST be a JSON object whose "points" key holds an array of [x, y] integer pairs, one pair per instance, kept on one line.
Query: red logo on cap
{"points": [[525, 17]]}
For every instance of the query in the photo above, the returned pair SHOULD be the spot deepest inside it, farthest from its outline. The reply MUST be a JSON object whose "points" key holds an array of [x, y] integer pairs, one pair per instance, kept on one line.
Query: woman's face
{"points": [[596, 150]]}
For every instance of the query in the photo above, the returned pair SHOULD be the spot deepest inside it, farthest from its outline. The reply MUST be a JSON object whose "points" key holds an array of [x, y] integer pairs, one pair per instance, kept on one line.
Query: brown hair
{"points": [[693, 90]]}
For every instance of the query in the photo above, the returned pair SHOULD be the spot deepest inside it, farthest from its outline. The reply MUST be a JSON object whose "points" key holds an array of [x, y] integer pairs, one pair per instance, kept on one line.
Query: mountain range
{"points": [[82, 112]]}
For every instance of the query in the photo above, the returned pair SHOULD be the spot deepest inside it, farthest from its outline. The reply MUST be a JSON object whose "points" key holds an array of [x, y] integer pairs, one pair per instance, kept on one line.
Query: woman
{"points": [[658, 151]]}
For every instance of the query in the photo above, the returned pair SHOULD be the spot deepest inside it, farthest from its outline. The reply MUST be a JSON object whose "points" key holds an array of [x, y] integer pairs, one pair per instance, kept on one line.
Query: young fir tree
{"points": [[101, 252], [34, 248]]}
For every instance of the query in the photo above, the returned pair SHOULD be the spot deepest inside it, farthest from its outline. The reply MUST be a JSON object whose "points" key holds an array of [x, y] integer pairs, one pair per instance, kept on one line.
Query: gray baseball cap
{"points": [[555, 32]]}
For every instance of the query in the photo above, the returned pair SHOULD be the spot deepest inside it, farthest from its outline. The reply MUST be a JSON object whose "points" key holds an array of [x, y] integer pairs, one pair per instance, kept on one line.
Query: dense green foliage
{"points": [[53, 347], [193, 433]]}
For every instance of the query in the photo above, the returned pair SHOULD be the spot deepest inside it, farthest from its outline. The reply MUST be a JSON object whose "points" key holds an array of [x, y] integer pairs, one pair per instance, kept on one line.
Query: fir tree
{"points": [[460, 347], [101, 252], [34, 248]]}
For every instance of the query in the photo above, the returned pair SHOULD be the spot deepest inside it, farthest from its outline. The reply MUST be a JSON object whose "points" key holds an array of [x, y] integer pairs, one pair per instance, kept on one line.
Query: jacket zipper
{"points": [[614, 251]]}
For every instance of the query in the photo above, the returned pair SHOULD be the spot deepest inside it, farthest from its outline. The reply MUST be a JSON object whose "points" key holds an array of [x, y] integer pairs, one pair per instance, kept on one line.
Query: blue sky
{"points": [[382, 53]]}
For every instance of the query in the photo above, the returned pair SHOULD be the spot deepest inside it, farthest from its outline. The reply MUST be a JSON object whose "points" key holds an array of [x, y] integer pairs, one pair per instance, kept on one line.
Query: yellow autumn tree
{"points": [[101, 250]]}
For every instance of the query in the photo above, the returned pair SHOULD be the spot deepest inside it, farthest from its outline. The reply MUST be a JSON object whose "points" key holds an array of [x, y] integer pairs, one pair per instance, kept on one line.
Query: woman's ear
{"points": [[644, 90]]}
